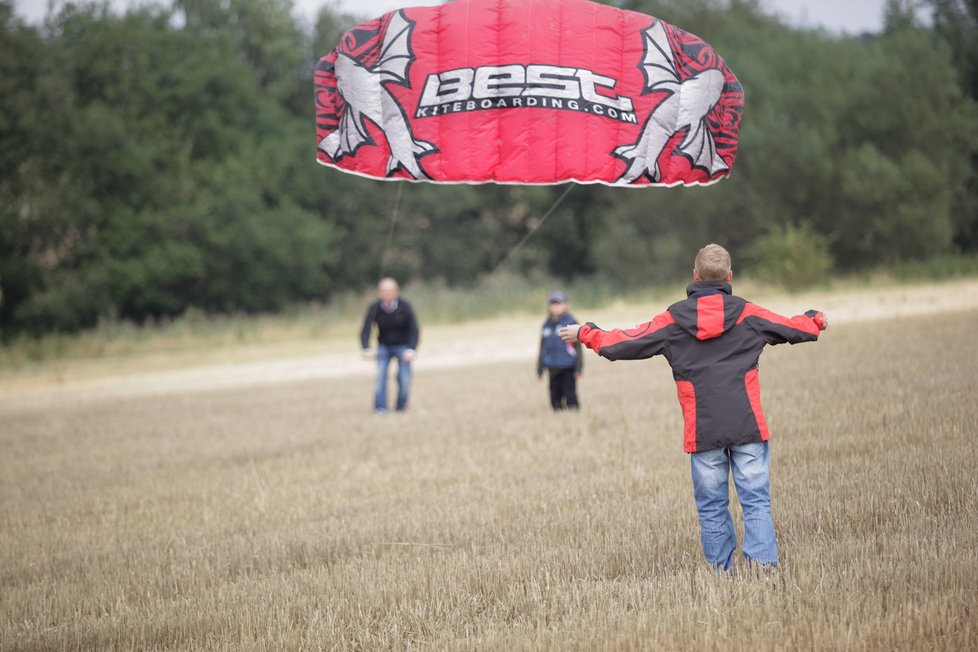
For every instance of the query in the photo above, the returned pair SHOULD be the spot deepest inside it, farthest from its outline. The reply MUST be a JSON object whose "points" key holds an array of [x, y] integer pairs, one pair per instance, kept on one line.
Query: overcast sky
{"points": [[850, 16]]}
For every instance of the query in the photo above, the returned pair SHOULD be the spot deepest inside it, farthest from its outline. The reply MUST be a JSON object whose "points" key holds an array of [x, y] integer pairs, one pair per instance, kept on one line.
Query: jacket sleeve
{"points": [[540, 358], [642, 341], [777, 329], [368, 324], [414, 331]]}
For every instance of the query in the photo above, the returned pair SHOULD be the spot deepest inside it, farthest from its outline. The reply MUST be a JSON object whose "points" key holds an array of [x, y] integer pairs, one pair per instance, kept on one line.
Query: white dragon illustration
{"points": [[365, 95], [685, 109]]}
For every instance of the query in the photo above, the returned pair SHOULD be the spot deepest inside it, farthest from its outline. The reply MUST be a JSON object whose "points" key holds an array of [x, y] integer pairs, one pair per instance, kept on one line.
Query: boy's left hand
{"points": [[819, 318], [570, 333]]}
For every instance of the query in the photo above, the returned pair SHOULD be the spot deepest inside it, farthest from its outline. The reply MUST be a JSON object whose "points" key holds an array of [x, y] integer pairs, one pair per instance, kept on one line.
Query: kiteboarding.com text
{"points": [[516, 86], [527, 102]]}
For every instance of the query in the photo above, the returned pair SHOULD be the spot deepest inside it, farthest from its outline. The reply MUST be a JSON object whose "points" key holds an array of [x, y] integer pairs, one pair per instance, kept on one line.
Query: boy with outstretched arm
{"points": [[712, 340]]}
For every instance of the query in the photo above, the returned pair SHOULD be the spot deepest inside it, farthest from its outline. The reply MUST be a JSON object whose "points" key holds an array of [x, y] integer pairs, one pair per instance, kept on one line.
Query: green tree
{"points": [[795, 257], [22, 235], [956, 24], [907, 153], [159, 175]]}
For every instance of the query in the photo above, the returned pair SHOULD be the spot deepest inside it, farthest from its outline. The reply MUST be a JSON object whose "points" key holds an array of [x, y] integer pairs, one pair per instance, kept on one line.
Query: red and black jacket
{"points": [[712, 341]]}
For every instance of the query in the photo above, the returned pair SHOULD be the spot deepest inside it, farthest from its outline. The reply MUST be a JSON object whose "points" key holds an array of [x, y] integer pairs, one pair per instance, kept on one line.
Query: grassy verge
{"points": [[198, 333], [205, 336]]}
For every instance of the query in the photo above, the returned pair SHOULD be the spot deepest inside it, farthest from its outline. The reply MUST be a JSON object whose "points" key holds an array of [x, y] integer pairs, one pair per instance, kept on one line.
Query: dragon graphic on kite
{"points": [[362, 88], [683, 111]]}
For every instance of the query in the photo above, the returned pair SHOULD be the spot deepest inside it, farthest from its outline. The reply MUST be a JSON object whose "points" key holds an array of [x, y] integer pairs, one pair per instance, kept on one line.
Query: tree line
{"points": [[163, 158]]}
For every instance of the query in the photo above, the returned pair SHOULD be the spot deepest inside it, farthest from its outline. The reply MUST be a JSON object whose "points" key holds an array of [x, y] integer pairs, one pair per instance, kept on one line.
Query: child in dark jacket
{"points": [[712, 340], [562, 360]]}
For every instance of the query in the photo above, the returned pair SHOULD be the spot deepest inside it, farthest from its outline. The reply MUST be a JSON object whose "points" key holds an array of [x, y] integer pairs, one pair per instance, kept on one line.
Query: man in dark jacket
{"points": [[562, 361], [712, 340], [397, 337]]}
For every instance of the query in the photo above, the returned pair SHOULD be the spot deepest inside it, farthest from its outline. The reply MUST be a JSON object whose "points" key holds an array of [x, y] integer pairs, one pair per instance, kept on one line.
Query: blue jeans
{"points": [[751, 466], [384, 354]]}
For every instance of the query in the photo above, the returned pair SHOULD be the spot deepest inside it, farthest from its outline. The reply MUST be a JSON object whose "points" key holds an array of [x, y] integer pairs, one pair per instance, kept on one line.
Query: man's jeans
{"points": [[384, 354], [751, 465]]}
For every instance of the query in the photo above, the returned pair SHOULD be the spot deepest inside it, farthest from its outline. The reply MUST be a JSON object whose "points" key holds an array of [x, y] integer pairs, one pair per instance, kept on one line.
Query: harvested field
{"points": [[279, 513]]}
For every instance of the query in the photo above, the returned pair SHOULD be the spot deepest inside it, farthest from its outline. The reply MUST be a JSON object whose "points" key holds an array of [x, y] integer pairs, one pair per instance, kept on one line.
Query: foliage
{"points": [[161, 159], [956, 24], [161, 173], [794, 256]]}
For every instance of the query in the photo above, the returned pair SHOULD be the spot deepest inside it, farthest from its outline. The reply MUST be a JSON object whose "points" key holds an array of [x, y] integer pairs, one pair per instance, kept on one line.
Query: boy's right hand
{"points": [[570, 333]]}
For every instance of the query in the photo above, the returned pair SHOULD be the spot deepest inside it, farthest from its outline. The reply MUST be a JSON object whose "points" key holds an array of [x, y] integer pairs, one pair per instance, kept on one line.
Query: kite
{"points": [[529, 92]]}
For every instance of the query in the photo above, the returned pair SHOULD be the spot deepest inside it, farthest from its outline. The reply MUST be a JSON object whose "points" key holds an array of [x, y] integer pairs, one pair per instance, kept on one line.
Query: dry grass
{"points": [[288, 517]]}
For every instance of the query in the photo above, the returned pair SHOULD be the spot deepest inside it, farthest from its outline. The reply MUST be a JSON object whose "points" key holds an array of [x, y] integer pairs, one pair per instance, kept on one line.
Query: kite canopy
{"points": [[527, 91]]}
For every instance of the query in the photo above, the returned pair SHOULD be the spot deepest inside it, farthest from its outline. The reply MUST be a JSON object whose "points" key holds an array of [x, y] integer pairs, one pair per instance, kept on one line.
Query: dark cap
{"points": [[557, 297]]}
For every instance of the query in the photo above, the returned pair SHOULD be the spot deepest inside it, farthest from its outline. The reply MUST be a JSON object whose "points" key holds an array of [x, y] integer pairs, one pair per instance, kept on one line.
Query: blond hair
{"points": [[712, 263]]}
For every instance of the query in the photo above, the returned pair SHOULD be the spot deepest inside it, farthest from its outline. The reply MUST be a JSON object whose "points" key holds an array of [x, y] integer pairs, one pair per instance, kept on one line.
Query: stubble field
{"points": [[284, 515]]}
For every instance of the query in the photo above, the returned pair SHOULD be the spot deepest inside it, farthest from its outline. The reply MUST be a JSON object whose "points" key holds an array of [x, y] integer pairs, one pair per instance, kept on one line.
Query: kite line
{"points": [[390, 233], [533, 230], [512, 252]]}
